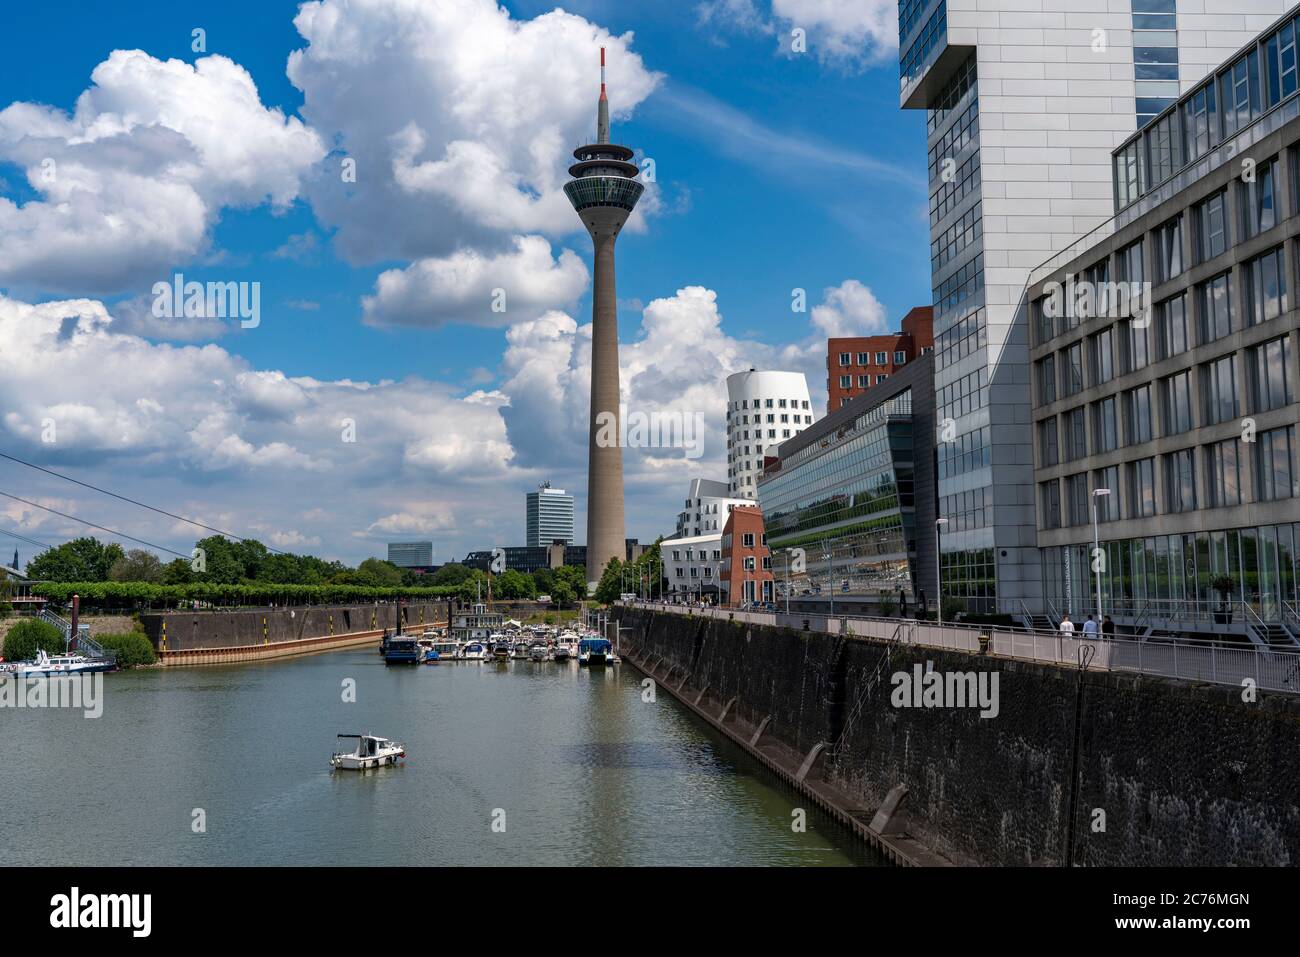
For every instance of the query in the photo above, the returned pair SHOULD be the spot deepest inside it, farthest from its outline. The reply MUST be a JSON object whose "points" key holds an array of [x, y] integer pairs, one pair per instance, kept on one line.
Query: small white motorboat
{"points": [[371, 752], [69, 664], [564, 650], [474, 651], [538, 652]]}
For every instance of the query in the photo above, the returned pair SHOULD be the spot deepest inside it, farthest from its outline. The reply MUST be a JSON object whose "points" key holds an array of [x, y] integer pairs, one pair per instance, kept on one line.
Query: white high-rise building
{"points": [[708, 503], [548, 517], [1025, 100], [763, 410]]}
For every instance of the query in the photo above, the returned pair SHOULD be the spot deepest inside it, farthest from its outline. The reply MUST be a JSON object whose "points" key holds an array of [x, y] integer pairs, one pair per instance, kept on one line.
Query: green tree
{"points": [[220, 565], [137, 565], [378, 573], [28, 635], [453, 573], [132, 648], [177, 572], [80, 560], [514, 584], [562, 593], [611, 583]]}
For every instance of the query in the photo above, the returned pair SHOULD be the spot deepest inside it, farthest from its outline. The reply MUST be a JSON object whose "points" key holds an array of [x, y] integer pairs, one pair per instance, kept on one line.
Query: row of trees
{"points": [[619, 577]]}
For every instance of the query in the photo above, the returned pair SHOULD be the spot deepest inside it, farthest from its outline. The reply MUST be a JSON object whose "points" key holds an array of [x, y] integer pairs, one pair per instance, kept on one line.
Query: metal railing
{"points": [[1211, 660]]}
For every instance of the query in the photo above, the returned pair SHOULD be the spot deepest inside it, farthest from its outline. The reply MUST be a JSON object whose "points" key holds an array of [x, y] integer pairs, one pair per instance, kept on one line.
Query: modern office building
{"points": [[526, 558], [706, 508], [411, 554], [691, 567], [603, 192], [1023, 110], [1176, 416], [763, 410], [745, 573], [548, 516], [856, 363], [849, 506]]}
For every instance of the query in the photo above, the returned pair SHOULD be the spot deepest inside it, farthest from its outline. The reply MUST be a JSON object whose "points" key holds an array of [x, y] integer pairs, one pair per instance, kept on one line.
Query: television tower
{"points": [[604, 192]]}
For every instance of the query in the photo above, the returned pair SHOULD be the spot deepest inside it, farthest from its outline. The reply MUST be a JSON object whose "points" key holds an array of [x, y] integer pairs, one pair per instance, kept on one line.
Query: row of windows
{"points": [[960, 340], [1067, 502], [965, 453], [912, 62], [1129, 346], [956, 238], [969, 574], [967, 510], [767, 404], [963, 83], [963, 132], [1226, 103], [957, 290], [965, 181], [963, 395], [864, 358], [864, 381], [1268, 381]]}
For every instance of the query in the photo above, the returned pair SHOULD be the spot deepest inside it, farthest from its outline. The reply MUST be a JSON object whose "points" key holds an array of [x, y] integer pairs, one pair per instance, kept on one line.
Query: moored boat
{"points": [[371, 751], [595, 652], [474, 651], [45, 665]]}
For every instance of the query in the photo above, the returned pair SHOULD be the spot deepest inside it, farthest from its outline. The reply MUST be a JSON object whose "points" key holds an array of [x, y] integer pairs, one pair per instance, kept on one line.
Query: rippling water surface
{"points": [[584, 770]]}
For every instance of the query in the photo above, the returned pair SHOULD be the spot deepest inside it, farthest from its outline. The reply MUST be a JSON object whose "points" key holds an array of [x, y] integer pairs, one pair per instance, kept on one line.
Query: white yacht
{"points": [[371, 752], [474, 651]]}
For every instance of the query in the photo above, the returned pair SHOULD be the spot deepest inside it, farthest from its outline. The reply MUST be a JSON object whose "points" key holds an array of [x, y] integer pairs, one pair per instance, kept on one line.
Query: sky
{"points": [[384, 179]]}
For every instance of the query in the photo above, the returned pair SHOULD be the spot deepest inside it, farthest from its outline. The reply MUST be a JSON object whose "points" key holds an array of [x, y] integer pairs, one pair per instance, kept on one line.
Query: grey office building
{"points": [[548, 517], [1024, 104], [1183, 408], [411, 554]]}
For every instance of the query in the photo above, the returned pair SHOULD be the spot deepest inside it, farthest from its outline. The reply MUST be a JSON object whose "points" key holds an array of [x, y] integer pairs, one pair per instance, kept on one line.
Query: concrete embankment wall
{"points": [[1184, 774], [180, 631]]}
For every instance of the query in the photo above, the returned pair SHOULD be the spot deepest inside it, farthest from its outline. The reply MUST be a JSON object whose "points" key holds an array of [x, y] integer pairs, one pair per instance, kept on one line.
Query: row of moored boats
{"points": [[529, 643]]}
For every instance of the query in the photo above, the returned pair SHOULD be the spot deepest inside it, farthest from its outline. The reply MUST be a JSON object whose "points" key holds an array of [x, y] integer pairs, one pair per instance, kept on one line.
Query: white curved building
{"points": [[763, 410]]}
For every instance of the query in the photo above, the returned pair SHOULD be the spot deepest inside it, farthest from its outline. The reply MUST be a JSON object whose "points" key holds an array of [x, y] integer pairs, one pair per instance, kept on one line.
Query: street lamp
{"points": [[829, 554], [1096, 547], [938, 570]]}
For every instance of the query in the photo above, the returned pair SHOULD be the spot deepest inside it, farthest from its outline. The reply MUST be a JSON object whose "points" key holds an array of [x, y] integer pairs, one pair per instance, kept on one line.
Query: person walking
{"points": [[1090, 627], [1107, 627], [1067, 626]]}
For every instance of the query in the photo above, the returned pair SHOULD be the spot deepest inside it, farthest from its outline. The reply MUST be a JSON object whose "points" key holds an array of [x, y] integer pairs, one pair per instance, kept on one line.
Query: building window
{"points": [[881, 358], [1076, 497], [1239, 93], [1270, 375], [1258, 200], [1275, 473], [1141, 488], [1076, 435], [881, 378], [1177, 400], [1216, 308], [1180, 481], [1072, 369], [1047, 451], [1219, 388], [1212, 227], [1265, 287], [1280, 63], [1107, 505], [1223, 473], [1046, 380], [1130, 263], [1102, 349], [864, 381], [846, 381], [1200, 121], [1105, 434], [862, 359], [900, 358], [1137, 345], [1171, 326], [844, 358], [747, 539], [1169, 249], [1137, 415], [1049, 496]]}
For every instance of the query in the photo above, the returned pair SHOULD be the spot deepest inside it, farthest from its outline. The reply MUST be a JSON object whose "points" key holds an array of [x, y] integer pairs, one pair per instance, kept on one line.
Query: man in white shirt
{"points": [[1090, 627], [1067, 626]]}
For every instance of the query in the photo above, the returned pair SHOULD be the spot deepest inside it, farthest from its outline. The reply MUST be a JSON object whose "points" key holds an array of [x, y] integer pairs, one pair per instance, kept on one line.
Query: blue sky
{"points": [[774, 171]]}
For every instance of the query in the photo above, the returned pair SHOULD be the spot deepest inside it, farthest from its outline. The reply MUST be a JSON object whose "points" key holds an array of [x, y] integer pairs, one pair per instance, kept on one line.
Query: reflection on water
{"points": [[578, 767]]}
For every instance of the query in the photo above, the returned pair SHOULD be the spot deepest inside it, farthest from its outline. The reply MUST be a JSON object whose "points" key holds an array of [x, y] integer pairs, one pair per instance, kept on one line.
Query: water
{"points": [[584, 770]]}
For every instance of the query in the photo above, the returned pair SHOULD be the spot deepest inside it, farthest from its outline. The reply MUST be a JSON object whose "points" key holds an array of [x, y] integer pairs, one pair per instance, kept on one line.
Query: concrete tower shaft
{"points": [[604, 192]]}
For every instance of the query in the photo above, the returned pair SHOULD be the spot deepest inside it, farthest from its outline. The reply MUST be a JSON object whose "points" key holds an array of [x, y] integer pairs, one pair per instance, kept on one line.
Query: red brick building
{"points": [[746, 570], [854, 364]]}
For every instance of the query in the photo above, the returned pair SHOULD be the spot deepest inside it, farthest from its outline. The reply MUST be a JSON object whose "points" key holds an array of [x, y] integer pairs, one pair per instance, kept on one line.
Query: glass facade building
{"points": [[548, 517], [848, 500]]}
